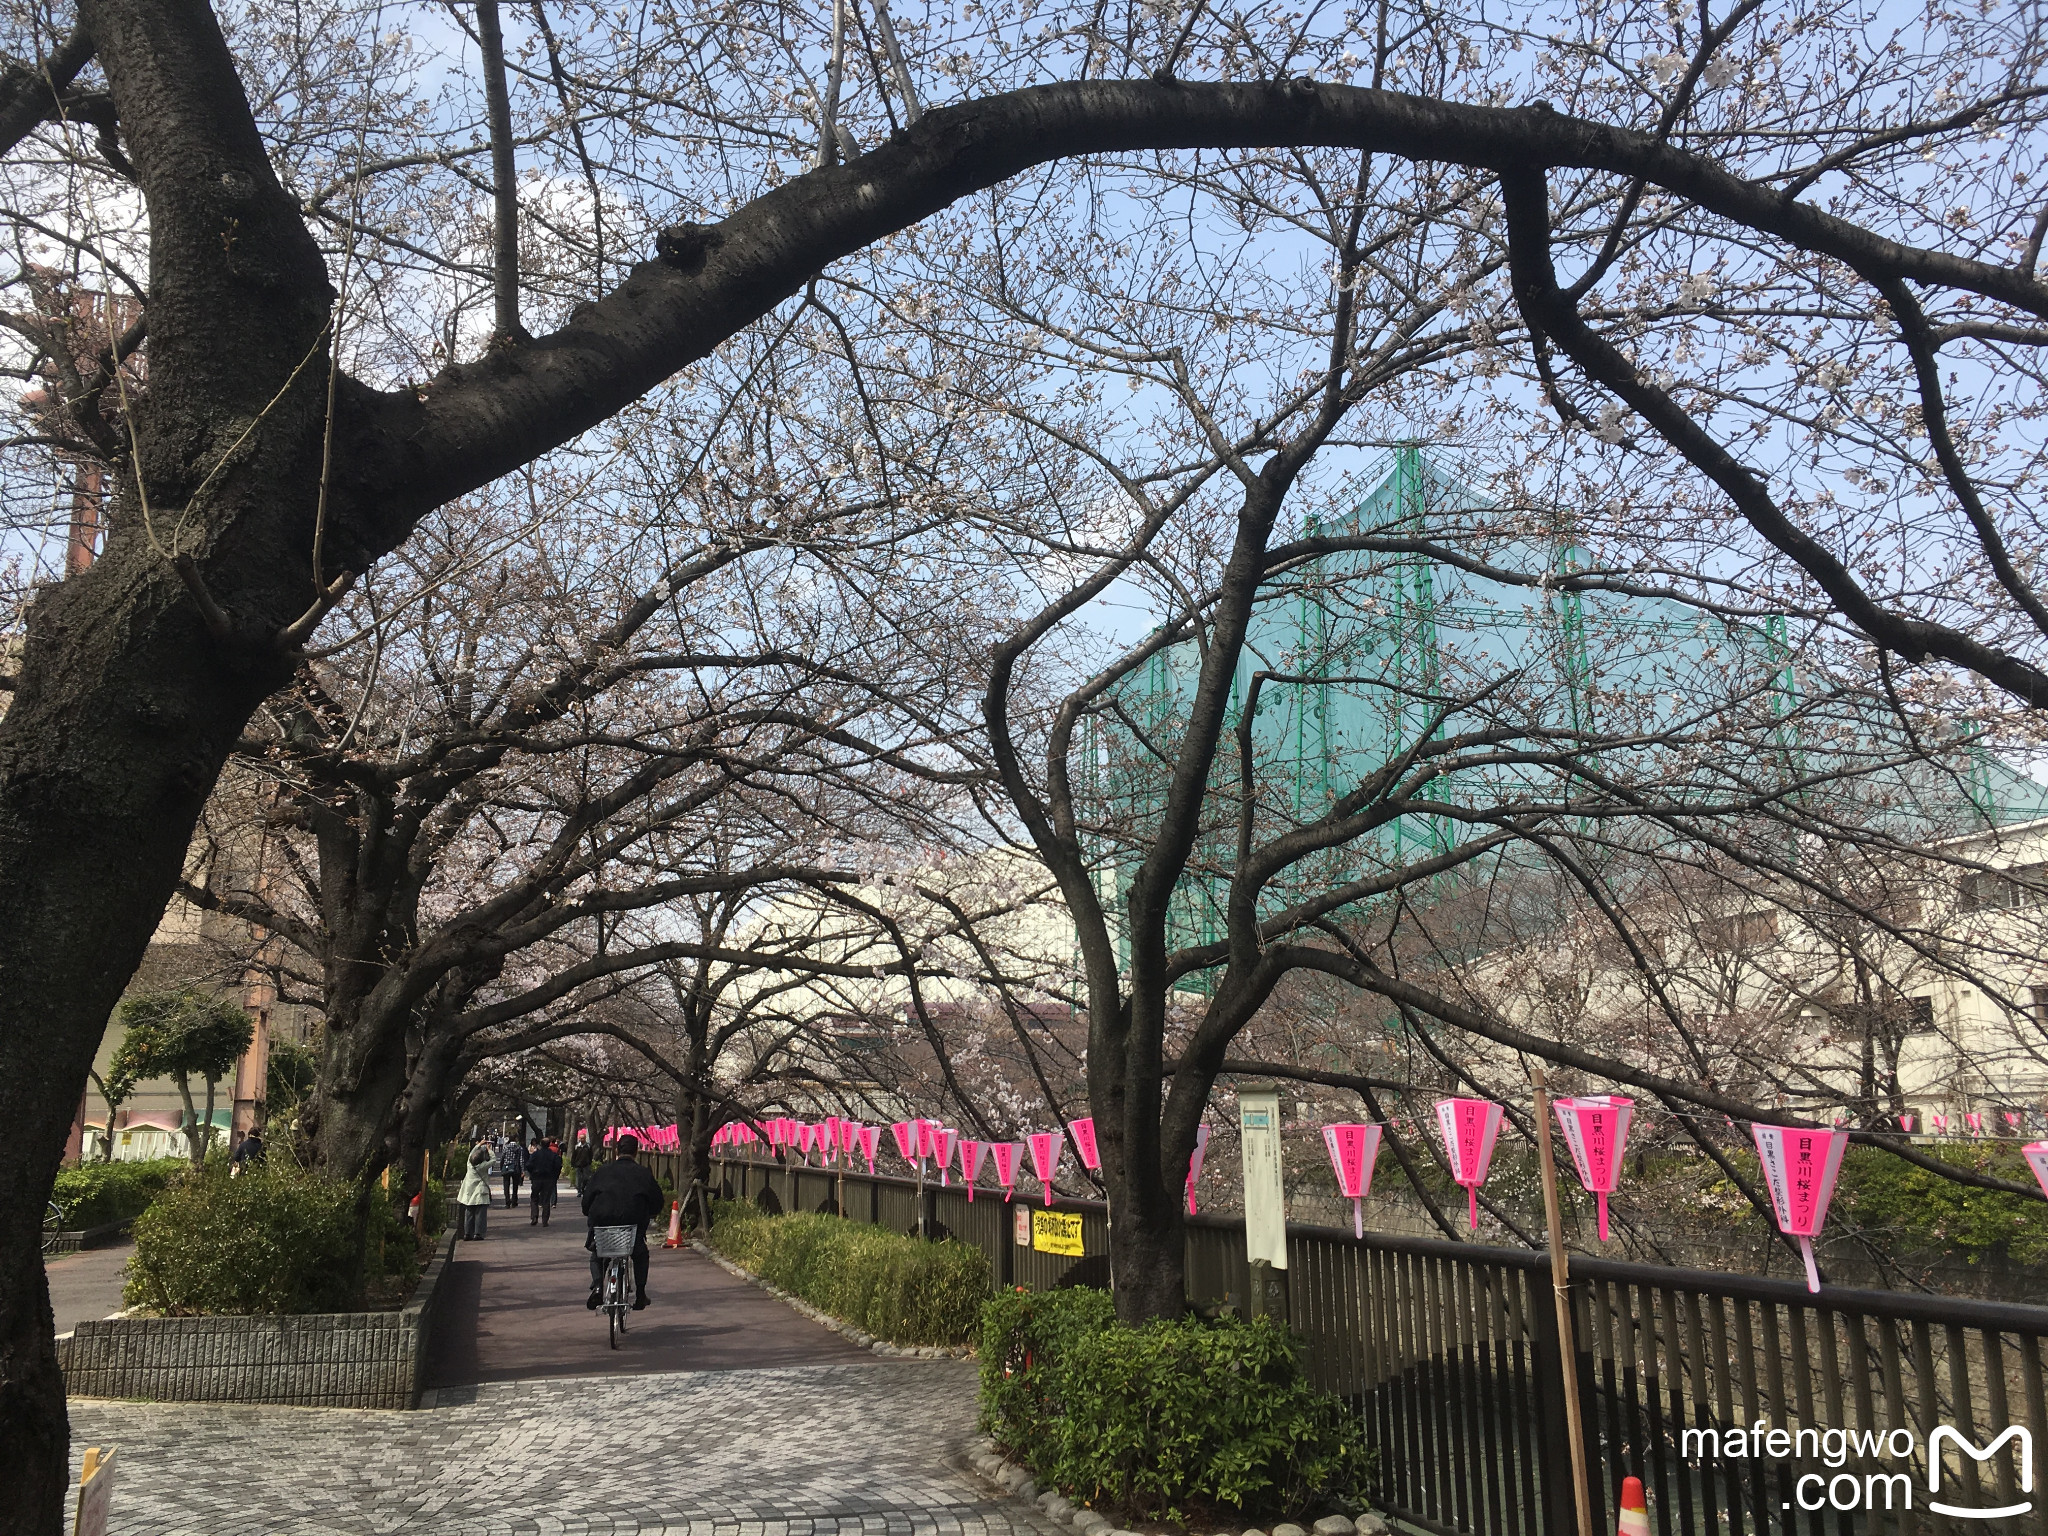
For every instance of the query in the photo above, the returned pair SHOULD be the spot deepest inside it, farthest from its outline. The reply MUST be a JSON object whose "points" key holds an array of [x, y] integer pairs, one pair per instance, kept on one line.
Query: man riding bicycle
{"points": [[621, 1193]]}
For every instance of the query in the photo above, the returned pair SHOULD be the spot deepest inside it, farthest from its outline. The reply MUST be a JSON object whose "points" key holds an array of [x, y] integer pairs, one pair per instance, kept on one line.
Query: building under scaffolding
{"points": [[1361, 653]]}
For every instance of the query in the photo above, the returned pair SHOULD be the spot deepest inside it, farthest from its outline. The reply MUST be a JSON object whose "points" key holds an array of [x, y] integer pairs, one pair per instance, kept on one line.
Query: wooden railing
{"points": [[1450, 1353]]}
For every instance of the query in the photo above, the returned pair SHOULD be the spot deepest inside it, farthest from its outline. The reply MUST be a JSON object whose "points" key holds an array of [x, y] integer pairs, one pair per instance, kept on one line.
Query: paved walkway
{"points": [[516, 1313], [87, 1284], [725, 1414], [850, 1450]]}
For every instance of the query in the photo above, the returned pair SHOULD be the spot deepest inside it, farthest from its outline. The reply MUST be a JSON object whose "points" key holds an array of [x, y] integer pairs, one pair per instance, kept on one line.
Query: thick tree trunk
{"points": [[129, 696]]}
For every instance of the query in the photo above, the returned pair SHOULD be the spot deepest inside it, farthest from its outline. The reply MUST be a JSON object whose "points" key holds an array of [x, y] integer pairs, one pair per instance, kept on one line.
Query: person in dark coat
{"points": [[621, 1194], [252, 1149], [512, 1165], [543, 1168], [580, 1159]]}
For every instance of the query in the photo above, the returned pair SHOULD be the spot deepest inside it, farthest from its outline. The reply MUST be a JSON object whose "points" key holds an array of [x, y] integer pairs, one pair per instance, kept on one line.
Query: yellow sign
{"points": [[1056, 1232], [95, 1494]]}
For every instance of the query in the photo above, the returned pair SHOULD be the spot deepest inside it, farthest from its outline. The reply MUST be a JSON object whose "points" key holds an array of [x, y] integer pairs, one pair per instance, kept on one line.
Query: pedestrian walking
{"points": [[543, 1168], [512, 1169], [473, 1200], [579, 1159]]}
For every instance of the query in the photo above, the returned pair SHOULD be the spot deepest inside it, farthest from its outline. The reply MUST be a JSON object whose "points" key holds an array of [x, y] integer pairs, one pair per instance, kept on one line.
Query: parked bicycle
{"points": [[53, 1227], [615, 1297]]}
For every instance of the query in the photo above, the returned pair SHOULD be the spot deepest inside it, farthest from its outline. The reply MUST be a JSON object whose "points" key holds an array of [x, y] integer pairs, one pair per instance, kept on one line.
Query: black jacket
{"points": [[544, 1166], [580, 1156], [621, 1194]]}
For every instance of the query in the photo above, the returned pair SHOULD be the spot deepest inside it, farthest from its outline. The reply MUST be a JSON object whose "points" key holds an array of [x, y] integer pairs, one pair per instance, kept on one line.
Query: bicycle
{"points": [[615, 1297], [53, 1227]]}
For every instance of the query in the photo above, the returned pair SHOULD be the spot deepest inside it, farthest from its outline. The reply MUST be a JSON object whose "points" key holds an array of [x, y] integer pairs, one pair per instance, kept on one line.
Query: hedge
{"points": [[1173, 1420], [276, 1238], [897, 1288], [99, 1194]]}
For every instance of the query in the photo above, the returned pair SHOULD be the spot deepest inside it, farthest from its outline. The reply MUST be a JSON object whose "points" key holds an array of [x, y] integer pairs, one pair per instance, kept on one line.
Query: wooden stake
{"points": [[1561, 1288]]}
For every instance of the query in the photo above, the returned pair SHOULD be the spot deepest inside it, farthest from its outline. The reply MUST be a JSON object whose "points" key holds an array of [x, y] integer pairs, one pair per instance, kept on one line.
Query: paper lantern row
{"points": [[922, 1143], [1595, 1129]]}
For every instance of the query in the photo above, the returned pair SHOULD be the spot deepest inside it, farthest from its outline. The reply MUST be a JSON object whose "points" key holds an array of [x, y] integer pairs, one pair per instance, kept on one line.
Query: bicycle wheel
{"points": [[53, 1226]]}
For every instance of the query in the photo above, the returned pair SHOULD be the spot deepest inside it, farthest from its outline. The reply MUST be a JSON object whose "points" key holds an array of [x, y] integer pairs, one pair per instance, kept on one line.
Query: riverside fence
{"points": [[1745, 1405]]}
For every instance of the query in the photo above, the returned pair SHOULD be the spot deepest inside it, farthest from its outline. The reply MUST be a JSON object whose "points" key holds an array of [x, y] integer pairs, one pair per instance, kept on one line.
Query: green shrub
{"points": [[1910, 1208], [97, 1194], [896, 1288], [1170, 1421], [276, 1238], [436, 1212]]}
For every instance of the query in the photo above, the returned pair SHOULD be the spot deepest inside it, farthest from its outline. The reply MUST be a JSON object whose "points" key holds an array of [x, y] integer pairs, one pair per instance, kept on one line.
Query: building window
{"points": [[1999, 890], [1745, 930]]}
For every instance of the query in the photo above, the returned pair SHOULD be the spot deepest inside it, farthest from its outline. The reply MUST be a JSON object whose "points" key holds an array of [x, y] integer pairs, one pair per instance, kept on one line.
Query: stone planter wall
{"points": [[317, 1360]]}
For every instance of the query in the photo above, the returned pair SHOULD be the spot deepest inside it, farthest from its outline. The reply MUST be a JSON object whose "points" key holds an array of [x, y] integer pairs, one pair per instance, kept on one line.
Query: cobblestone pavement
{"points": [[821, 1450]]}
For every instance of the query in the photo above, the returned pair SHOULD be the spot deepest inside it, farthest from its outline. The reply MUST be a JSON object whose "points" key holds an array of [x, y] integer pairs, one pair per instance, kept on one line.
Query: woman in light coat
{"points": [[474, 1198]]}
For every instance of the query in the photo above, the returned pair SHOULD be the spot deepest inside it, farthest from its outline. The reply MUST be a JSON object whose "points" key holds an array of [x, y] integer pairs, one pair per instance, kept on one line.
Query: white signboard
{"points": [[1265, 1197]]}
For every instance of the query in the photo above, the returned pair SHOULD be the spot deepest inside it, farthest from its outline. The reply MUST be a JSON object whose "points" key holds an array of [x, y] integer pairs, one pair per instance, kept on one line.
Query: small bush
{"points": [[896, 1288], [436, 1212], [1169, 1421], [98, 1194], [276, 1238]]}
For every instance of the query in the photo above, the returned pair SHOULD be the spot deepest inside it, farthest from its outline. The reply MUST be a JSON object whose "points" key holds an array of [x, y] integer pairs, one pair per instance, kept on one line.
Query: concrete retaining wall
{"points": [[318, 1360]]}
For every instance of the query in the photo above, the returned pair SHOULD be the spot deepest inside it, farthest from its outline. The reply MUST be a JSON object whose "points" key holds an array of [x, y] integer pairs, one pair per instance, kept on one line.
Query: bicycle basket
{"points": [[613, 1242]]}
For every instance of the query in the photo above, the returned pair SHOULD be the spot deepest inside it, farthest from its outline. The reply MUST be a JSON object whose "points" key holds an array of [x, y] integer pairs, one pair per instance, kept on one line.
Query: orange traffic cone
{"points": [[1635, 1509], [675, 1240]]}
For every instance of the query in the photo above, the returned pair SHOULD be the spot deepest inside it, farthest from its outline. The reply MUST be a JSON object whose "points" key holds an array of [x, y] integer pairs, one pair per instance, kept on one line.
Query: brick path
{"points": [[826, 1450], [515, 1312], [726, 1414]]}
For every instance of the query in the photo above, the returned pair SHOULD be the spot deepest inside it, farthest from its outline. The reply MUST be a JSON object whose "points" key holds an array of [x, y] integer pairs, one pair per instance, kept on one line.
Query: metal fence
{"points": [[1745, 1405]]}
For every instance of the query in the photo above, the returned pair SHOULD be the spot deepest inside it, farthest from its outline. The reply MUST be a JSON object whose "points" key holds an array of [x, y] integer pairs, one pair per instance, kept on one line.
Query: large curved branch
{"points": [[1550, 312], [29, 94], [416, 450]]}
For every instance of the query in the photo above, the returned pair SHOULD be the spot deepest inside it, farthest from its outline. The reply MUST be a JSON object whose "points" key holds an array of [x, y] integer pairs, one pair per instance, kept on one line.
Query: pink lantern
{"points": [[1975, 1122], [2011, 1118], [807, 1137], [905, 1132], [971, 1154], [832, 1141], [1006, 1154], [942, 1152], [927, 1139], [870, 1138], [1469, 1128], [1596, 1129], [1083, 1132], [1046, 1147], [1941, 1125], [1800, 1167], [1906, 1123], [1195, 1161], [1353, 1151], [2036, 1154]]}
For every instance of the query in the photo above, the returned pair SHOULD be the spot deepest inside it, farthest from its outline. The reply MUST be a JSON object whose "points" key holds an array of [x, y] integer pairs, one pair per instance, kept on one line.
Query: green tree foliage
{"points": [[1182, 1420], [288, 1079], [181, 1034]]}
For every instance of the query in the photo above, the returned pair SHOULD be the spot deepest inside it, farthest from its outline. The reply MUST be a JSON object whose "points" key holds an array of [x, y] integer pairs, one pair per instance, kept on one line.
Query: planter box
{"points": [[92, 1237], [314, 1360]]}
